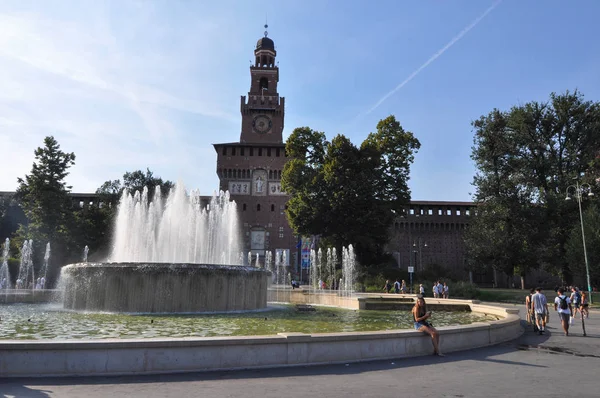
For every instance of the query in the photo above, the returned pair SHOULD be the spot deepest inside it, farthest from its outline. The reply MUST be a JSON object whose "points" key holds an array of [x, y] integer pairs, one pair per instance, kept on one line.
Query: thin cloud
{"points": [[435, 56], [118, 101]]}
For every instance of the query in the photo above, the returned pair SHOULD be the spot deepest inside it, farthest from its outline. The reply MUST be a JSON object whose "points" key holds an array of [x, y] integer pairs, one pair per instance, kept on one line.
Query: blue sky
{"points": [[133, 84]]}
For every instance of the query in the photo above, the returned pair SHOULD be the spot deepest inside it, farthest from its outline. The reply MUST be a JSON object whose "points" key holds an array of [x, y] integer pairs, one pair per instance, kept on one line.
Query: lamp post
{"points": [[420, 246], [579, 190]]}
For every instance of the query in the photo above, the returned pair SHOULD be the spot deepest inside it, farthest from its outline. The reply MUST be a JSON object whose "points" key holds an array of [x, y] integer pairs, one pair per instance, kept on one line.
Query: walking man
{"points": [[562, 304], [540, 309]]}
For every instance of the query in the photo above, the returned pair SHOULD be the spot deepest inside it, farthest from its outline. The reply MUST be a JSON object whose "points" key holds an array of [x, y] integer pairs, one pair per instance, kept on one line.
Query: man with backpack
{"points": [[562, 304], [540, 309]]}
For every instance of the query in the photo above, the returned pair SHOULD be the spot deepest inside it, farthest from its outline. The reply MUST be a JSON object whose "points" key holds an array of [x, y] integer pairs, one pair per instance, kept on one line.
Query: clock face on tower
{"points": [[262, 124]]}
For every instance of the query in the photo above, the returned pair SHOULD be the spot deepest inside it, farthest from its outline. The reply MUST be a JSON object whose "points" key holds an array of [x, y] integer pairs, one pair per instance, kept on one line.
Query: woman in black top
{"points": [[420, 315]]}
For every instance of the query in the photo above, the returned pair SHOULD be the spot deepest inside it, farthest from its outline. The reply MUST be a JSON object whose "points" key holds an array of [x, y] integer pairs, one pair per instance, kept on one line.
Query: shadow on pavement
{"points": [[19, 390]]}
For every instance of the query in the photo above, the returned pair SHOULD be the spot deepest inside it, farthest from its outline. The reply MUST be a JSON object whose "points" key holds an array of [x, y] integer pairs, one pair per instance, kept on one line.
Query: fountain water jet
{"points": [[44, 271], [170, 255], [4, 271], [26, 278]]}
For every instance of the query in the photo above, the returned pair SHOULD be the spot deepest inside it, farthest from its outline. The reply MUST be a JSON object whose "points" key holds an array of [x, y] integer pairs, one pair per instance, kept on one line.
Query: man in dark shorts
{"points": [[562, 304]]}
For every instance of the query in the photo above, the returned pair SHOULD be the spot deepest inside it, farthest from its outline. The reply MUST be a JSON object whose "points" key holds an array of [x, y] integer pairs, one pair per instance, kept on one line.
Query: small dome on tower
{"points": [[264, 43]]}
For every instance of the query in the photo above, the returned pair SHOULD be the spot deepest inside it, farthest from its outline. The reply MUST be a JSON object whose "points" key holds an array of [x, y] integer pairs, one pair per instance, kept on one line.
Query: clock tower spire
{"points": [[263, 110]]}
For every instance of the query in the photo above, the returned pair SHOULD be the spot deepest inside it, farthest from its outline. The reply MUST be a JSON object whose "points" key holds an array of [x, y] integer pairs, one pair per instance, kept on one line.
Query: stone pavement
{"points": [[551, 365]]}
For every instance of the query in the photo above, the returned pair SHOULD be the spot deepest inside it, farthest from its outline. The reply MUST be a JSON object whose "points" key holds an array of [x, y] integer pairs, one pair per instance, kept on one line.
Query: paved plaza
{"points": [[534, 366]]}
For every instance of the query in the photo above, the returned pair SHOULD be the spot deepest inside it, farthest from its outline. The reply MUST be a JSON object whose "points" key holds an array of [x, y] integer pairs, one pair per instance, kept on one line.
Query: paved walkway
{"points": [[530, 366]]}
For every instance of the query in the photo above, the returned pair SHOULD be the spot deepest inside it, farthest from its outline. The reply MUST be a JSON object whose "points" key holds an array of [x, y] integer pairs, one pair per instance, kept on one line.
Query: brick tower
{"points": [[251, 168]]}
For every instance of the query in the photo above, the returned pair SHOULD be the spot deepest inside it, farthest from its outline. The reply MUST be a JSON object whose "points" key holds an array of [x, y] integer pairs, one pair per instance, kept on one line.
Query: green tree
{"points": [[110, 192], [526, 157], [348, 194], [44, 197], [575, 255]]}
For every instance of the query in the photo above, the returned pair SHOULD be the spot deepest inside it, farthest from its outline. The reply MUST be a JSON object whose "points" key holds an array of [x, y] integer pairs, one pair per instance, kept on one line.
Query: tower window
{"points": [[277, 152], [270, 174], [242, 151], [233, 151], [268, 151], [251, 151], [258, 207], [259, 151], [272, 207], [244, 207], [224, 151], [263, 84]]}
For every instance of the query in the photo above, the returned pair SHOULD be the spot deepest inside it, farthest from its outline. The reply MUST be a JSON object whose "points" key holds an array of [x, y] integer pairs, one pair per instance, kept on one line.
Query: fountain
{"points": [[348, 271], [170, 256], [4, 272], [44, 271], [26, 278]]}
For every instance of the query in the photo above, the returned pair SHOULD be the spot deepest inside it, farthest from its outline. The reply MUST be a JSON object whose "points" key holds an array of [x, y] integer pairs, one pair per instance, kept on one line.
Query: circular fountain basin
{"points": [[50, 322], [163, 288]]}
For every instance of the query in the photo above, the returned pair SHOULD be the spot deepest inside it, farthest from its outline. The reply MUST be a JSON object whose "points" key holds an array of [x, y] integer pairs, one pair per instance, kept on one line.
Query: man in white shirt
{"points": [[562, 304], [540, 308]]}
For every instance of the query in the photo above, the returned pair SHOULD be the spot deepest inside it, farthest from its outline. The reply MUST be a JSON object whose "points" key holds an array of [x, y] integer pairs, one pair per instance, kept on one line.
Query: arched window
{"points": [[263, 84], [270, 174]]}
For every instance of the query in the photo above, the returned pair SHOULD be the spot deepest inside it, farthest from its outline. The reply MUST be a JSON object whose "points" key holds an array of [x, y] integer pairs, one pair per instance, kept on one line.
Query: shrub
{"points": [[464, 290]]}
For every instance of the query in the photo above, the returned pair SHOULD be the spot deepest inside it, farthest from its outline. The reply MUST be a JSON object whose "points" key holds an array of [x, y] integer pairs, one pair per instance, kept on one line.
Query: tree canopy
{"points": [[526, 158], [349, 194], [110, 192], [44, 197]]}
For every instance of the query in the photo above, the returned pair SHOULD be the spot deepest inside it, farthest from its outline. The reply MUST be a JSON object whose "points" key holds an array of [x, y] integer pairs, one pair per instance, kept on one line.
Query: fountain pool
{"points": [[50, 322]]}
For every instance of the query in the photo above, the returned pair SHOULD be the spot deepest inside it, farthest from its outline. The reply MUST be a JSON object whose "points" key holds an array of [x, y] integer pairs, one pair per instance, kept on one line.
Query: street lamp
{"points": [[579, 190], [420, 254]]}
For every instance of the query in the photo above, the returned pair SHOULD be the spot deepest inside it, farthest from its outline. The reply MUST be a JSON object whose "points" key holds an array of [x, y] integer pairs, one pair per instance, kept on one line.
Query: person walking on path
{"points": [[562, 304], [529, 309], [387, 287], [421, 315], [576, 301], [585, 305], [397, 287], [540, 309]]}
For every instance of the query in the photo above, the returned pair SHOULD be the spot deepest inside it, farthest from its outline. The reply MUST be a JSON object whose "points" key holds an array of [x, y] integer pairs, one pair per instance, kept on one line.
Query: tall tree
{"points": [[526, 157], [44, 197], [575, 254], [110, 192], [349, 194]]}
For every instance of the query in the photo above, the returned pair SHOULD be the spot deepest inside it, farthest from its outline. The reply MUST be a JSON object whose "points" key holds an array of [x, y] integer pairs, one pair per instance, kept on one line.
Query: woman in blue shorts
{"points": [[420, 315]]}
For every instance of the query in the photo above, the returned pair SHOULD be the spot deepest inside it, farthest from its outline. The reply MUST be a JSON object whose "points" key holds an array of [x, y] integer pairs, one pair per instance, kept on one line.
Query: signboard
{"points": [[411, 270]]}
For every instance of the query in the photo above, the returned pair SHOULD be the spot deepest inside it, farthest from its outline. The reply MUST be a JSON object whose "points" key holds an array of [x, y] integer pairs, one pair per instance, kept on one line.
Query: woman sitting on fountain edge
{"points": [[420, 315]]}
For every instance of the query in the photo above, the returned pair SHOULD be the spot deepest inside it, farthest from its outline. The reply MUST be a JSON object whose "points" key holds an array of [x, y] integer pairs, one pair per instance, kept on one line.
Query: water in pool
{"points": [[44, 321]]}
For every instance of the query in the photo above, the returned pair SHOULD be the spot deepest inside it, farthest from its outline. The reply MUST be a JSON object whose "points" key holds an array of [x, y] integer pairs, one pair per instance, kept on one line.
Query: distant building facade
{"points": [[431, 232]]}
